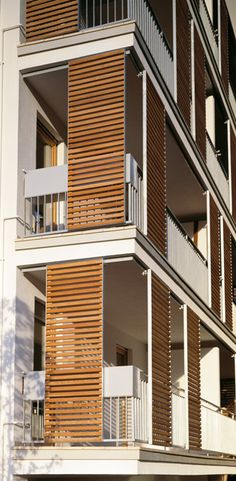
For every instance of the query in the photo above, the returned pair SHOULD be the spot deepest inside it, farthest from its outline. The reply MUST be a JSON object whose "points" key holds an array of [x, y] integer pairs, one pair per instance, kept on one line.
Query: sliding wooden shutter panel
{"points": [[96, 140], [194, 380], [183, 59], [156, 169], [73, 400], [215, 258], [50, 18], [161, 363], [200, 94], [233, 170], [224, 45], [228, 276]]}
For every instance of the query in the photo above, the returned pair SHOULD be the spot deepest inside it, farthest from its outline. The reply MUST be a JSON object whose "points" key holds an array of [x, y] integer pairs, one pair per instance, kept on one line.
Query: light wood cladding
{"points": [[183, 34], [215, 258], [233, 170], [96, 140], [224, 45], [50, 18], [194, 380], [73, 399], [156, 169], [161, 363], [200, 93], [228, 276]]}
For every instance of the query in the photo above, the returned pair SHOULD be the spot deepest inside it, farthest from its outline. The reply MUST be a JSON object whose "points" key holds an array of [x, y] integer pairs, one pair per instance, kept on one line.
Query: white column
{"points": [[149, 319], [186, 375], [144, 213]]}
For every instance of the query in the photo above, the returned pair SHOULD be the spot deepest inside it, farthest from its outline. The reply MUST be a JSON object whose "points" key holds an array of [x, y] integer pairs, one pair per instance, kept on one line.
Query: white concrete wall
{"points": [[210, 117], [177, 368], [113, 336], [210, 375]]}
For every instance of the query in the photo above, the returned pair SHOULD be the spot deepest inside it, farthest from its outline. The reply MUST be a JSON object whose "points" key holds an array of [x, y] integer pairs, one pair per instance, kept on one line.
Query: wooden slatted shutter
{"points": [[200, 94], [96, 141], [156, 169], [50, 18], [73, 400], [194, 380], [228, 277], [183, 59], [233, 170], [224, 45], [161, 363], [215, 258]]}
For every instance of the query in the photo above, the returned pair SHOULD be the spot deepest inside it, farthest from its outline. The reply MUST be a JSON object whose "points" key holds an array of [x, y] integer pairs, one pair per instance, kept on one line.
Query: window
{"points": [[46, 148], [122, 356], [39, 335]]}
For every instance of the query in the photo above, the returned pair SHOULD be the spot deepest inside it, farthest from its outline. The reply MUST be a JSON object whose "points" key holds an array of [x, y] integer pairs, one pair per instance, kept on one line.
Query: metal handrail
{"points": [[215, 32], [184, 233], [217, 155]]}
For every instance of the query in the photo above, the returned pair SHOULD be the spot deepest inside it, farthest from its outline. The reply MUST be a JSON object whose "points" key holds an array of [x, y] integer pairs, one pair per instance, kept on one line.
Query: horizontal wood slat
{"points": [[156, 169], [194, 384], [96, 141], [200, 93], [183, 35], [73, 400], [215, 258], [161, 359], [228, 276], [45, 19], [224, 45]]}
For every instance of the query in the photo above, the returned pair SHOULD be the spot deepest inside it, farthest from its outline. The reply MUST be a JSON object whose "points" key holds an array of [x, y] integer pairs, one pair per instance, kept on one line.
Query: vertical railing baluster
{"points": [[86, 14]]}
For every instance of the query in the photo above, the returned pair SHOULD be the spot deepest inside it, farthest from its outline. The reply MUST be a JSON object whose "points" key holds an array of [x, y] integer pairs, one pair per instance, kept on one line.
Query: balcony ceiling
{"points": [[185, 196], [125, 304], [50, 89]]}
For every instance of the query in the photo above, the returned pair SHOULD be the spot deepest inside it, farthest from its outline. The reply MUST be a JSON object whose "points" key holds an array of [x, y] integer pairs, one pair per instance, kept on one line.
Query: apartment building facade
{"points": [[118, 254]]}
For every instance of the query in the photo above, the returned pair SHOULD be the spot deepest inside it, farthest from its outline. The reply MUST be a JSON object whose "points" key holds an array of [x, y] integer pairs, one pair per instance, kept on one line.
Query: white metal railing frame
{"points": [[217, 154], [125, 417], [186, 236], [134, 192], [141, 12], [212, 34], [36, 223]]}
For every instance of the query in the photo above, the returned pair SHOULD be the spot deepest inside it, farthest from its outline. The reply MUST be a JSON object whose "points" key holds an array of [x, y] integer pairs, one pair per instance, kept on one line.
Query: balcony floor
{"points": [[34, 461]]}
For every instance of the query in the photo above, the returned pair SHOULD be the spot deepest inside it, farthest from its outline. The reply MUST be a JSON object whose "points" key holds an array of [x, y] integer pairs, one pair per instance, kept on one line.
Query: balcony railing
{"points": [[211, 34], [186, 258], [178, 418], [134, 192], [232, 99], [124, 405], [100, 12], [216, 169], [46, 200], [218, 429]]}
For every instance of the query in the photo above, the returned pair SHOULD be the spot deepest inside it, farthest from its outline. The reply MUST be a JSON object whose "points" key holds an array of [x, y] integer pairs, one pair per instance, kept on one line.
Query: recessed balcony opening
{"points": [[186, 218], [234, 283], [124, 356], [217, 394], [232, 60], [178, 378], [216, 126], [46, 175]]}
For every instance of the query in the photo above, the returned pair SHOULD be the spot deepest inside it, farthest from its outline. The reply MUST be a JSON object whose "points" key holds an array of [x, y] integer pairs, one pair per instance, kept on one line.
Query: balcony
{"points": [[183, 254], [209, 28], [124, 405], [46, 198], [101, 13], [217, 170]]}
